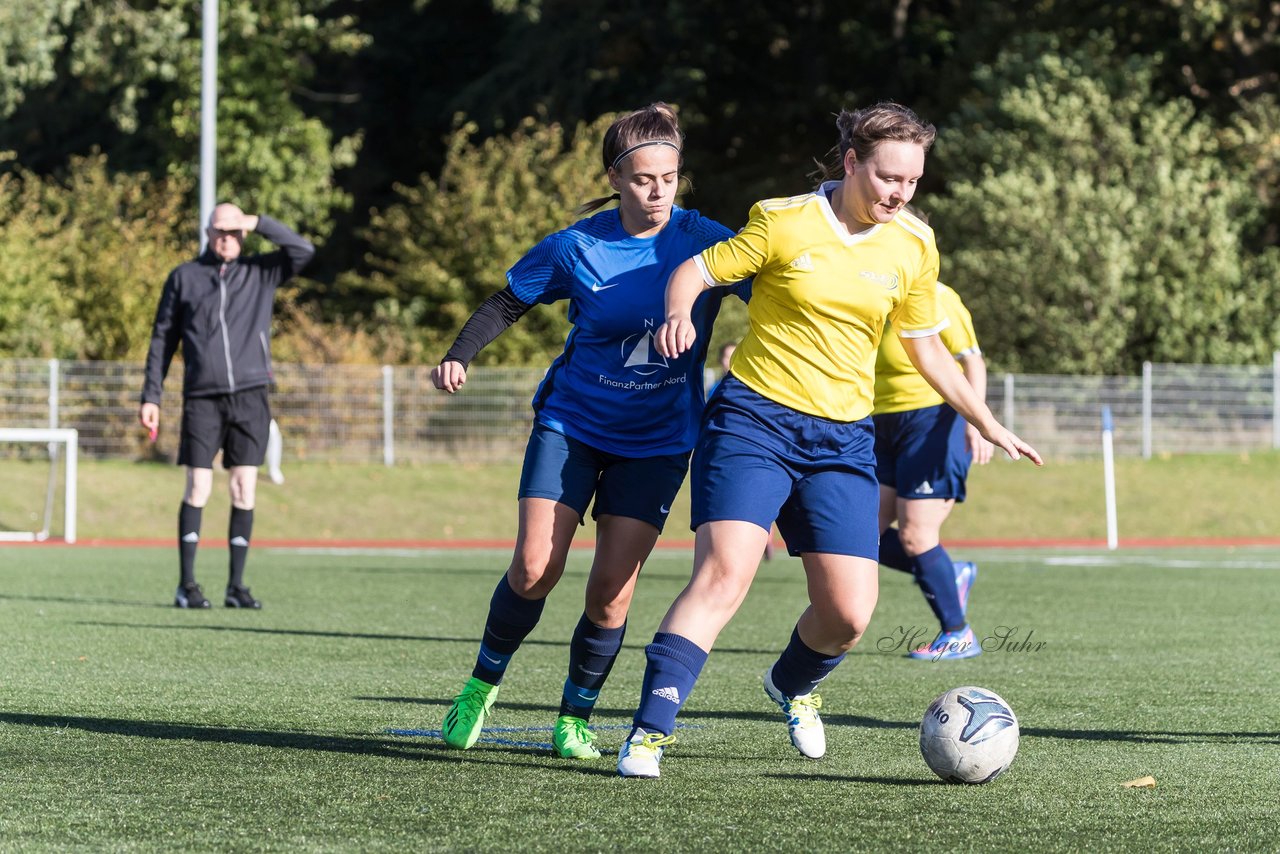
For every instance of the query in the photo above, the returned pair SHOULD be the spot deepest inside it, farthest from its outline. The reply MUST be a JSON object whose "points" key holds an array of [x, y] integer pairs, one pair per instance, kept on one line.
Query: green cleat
{"points": [[573, 739], [465, 718]]}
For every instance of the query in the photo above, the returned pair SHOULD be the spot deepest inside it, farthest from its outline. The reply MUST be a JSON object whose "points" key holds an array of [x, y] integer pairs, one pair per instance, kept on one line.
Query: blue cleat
{"points": [[949, 646], [966, 574]]}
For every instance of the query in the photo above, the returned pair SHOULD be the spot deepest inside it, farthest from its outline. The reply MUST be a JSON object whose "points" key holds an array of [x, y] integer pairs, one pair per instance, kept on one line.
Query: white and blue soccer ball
{"points": [[969, 735]]}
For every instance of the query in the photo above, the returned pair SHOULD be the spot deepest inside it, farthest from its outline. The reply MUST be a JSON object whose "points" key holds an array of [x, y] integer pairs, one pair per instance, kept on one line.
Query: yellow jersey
{"points": [[821, 299], [899, 386]]}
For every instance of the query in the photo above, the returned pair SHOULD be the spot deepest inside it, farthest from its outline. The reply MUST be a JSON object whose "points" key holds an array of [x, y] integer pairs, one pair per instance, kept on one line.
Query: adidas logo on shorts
{"points": [[668, 694]]}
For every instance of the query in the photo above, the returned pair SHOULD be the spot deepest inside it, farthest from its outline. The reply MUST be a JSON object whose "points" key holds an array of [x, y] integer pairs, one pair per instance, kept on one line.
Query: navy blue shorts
{"points": [[571, 472], [922, 453], [759, 461], [236, 424]]}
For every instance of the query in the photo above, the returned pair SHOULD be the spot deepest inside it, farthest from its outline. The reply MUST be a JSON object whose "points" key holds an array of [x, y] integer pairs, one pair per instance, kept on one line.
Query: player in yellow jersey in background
{"points": [[788, 435], [923, 452]]}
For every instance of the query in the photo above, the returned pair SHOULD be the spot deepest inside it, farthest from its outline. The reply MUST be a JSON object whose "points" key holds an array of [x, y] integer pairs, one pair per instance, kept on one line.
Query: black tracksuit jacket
{"points": [[221, 314]]}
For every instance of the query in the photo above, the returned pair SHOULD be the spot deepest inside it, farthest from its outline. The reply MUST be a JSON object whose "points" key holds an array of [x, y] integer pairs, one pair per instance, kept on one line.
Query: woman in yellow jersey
{"points": [[923, 452], [726, 355], [788, 435]]}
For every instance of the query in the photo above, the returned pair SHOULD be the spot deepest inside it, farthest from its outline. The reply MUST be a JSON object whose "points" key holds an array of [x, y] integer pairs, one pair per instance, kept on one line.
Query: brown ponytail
{"points": [[863, 131]]}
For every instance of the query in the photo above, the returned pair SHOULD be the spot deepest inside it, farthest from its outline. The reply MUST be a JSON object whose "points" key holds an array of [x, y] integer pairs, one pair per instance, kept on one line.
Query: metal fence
{"points": [[361, 414]]}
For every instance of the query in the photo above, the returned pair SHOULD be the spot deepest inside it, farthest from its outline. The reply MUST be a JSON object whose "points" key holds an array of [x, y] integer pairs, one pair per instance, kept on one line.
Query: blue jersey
{"points": [[610, 388]]}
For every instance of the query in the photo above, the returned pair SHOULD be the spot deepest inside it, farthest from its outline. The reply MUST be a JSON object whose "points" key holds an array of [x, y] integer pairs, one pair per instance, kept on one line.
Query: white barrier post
{"points": [[1109, 477], [388, 419], [1275, 399], [1008, 401], [53, 449], [69, 499], [53, 393], [1146, 410]]}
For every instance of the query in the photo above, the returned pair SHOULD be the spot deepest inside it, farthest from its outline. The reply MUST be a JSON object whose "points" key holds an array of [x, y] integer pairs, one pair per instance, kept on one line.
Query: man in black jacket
{"points": [[219, 308]]}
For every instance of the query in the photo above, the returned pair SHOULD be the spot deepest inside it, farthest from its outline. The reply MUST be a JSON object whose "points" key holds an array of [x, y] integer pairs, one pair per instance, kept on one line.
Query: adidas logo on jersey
{"points": [[667, 694], [804, 262], [925, 488]]}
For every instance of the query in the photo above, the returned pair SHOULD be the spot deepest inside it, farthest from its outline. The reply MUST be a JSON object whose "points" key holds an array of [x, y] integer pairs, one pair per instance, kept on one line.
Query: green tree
{"points": [[31, 35], [119, 235], [758, 81], [1254, 142], [446, 246], [272, 155], [125, 78], [36, 319], [1223, 56], [84, 260], [1092, 226]]}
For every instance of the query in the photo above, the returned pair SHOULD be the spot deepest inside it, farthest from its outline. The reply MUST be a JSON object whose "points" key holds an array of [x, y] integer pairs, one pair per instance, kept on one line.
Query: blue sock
{"points": [[674, 665], [591, 655], [892, 554], [937, 576], [799, 669], [511, 618]]}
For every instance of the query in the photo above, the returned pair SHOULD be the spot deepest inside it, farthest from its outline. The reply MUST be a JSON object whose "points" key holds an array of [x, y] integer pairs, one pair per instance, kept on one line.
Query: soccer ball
{"points": [[969, 735]]}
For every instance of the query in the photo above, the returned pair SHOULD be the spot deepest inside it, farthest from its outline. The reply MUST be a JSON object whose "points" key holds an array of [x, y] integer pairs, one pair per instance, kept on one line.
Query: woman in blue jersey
{"points": [[604, 423], [788, 434]]}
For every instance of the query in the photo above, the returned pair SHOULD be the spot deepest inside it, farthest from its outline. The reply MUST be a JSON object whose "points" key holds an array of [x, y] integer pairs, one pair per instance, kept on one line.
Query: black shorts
{"points": [[236, 424]]}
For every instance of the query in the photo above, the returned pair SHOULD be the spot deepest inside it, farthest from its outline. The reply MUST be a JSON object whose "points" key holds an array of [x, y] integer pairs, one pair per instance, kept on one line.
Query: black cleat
{"points": [[190, 596], [238, 597]]}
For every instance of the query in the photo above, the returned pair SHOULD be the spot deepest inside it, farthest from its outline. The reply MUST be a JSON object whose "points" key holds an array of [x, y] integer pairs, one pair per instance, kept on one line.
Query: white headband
{"points": [[640, 145]]}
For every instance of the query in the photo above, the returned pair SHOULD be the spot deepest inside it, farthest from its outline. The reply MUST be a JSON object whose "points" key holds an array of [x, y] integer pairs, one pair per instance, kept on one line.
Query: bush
{"points": [[84, 259], [1100, 227], [446, 246]]}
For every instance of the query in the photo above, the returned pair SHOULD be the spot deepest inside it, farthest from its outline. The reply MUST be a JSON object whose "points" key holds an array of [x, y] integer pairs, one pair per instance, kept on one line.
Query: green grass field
{"points": [[128, 725], [1184, 496]]}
